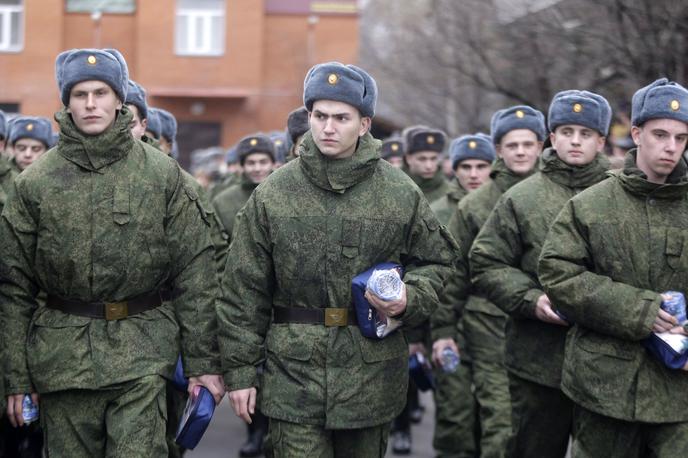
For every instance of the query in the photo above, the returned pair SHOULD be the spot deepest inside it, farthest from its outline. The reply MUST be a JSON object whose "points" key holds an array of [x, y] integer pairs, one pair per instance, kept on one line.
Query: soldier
{"points": [[393, 151], [257, 158], [281, 145], [153, 127], [610, 253], [7, 174], [424, 148], [101, 223], [297, 126], [517, 133], [232, 176], [168, 132], [471, 162], [504, 267], [455, 405], [29, 139], [136, 102], [206, 165], [304, 233]]}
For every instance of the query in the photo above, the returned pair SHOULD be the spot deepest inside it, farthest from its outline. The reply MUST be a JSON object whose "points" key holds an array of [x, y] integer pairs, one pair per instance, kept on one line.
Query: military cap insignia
{"points": [[430, 140], [395, 147], [675, 105], [520, 114], [253, 142], [472, 144], [577, 107], [332, 79], [278, 142], [29, 127], [91, 59]]}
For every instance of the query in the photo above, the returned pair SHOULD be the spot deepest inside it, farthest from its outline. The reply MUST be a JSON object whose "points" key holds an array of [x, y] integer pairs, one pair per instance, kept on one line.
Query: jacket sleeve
{"points": [[194, 277], [591, 300], [495, 263], [18, 287], [452, 299], [429, 261], [245, 306]]}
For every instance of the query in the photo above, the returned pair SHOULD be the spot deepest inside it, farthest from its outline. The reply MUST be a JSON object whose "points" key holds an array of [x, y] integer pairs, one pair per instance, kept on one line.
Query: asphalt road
{"points": [[226, 433]]}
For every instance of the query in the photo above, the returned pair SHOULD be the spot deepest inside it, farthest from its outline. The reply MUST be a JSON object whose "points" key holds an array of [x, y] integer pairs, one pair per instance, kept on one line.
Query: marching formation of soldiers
{"points": [[552, 272]]}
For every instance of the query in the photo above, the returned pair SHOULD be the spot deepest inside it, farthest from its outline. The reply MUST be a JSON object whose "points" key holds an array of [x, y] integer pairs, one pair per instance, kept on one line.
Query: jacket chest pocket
{"points": [[351, 238], [675, 253], [120, 206], [372, 238]]}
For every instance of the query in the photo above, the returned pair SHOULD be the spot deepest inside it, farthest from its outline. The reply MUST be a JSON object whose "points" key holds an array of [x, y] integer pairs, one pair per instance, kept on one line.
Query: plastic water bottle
{"points": [[450, 360], [29, 410], [676, 306]]}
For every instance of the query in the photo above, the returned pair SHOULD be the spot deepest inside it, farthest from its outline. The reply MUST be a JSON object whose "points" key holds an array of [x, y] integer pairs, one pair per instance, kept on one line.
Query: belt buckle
{"points": [[336, 316], [116, 310]]}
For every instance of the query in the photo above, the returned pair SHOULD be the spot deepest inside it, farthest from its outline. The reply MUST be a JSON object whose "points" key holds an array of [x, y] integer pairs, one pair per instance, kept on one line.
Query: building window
{"points": [[109, 6], [200, 27], [11, 25]]}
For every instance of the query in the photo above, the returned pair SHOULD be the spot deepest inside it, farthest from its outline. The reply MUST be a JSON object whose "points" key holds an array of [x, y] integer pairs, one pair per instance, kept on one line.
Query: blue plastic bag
{"points": [[197, 416], [368, 317]]}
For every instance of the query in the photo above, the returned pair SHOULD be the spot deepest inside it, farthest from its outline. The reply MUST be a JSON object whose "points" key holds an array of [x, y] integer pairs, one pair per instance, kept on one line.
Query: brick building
{"points": [[225, 68]]}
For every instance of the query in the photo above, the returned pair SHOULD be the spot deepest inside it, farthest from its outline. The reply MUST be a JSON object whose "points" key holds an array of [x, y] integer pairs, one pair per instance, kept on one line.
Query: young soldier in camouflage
{"points": [[610, 253], [393, 151], [30, 138], [305, 232], [504, 267], [517, 134], [101, 223], [455, 405]]}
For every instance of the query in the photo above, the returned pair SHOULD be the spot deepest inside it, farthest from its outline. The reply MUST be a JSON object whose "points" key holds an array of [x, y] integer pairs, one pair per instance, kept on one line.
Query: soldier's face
{"points": [[661, 142], [27, 150], [93, 105], [520, 150], [576, 145], [396, 161], [138, 125], [165, 145], [423, 163], [472, 173], [336, 128], [257, 166]]}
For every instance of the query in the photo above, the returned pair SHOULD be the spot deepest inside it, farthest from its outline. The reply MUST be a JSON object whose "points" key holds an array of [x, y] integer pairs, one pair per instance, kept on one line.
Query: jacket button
{"points": [[651, 202]]}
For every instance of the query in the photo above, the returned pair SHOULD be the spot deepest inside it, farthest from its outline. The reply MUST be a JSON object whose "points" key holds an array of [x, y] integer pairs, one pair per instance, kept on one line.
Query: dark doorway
{"points": [[194, 135]]}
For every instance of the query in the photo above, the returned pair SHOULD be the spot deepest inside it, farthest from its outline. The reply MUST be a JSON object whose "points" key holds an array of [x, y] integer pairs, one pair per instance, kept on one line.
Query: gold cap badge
{"points": [[472, 144], [278, 142], [29, 127], [91, 59], [577, 107], [253, 142], [520, 114], [675, 105], [332, 79], [431, 140], [395, 147]]}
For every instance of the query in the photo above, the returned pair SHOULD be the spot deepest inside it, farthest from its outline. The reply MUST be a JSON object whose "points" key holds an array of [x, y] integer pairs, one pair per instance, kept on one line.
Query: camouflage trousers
{"points": [[176, 401], [542, 417], [125, 420], [597, 435], [296, 440], [485, 341], [456, 430]]}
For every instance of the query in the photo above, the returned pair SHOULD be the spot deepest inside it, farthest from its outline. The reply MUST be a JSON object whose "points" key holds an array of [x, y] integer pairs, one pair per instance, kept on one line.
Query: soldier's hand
{"points": [[389, 308], [244, 403], [544, 312], [417, 347], [438, 347], [664, 321], [15, 408], [213, 382]]}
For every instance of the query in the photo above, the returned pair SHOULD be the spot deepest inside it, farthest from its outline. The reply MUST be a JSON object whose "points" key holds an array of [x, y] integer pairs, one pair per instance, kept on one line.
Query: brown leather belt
{"points": [[326, 316], [106, 310]]}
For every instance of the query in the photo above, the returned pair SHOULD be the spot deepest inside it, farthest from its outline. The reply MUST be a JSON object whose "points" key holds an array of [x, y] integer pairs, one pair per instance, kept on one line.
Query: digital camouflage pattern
{"points": [[134, 412], [445, 206], [303, 235], [104, 218], [486, 349], [228, 203], [608, 255], [7, 175], [433, 188], [227, 182], [504, 262]]}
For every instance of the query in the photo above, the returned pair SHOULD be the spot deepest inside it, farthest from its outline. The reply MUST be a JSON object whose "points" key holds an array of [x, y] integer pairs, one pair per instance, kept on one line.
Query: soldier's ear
{"points": [[366, 122]]}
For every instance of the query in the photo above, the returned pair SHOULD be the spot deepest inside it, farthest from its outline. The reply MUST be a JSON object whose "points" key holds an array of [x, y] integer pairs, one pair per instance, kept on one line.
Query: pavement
{"points": [[226, 433]]}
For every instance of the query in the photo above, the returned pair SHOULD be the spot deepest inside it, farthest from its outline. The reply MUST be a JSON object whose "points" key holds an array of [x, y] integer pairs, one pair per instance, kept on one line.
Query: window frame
{"points": [[203, 17], [6, 12]]}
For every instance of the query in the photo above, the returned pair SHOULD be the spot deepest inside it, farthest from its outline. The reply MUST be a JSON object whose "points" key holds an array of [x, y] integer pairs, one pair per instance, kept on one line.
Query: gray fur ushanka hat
{"points": [[31, 127], [136, 96], [343, 83], [517, 117], [77, 65], [476, 146], [661, 99], [583, 108]]}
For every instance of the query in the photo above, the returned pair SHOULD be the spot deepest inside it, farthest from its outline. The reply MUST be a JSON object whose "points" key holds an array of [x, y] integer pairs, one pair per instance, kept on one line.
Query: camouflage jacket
{"points": [[228, 203], [304, 233], [433, 188], [464, 225], [7, 176], [104, 218], [504, 259], [609, 254], [444, 207]]}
